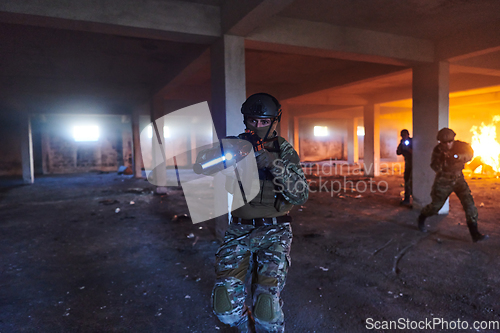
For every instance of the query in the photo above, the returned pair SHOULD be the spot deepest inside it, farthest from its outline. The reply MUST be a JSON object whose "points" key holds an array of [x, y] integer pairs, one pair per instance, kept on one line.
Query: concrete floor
{"points": [[70, 263]]}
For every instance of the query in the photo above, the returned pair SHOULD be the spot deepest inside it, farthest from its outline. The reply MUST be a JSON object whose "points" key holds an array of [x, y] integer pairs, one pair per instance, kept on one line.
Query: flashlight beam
{"points": [[213, 162]]}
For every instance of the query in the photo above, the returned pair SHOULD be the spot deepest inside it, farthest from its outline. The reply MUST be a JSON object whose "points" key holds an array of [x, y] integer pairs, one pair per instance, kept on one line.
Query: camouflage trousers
{"points": [[255, 258], [441, 190], [408, 180]]}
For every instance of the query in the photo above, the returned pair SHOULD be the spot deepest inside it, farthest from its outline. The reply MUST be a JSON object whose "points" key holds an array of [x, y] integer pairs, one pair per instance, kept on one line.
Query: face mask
{"points": [[260, 131]]}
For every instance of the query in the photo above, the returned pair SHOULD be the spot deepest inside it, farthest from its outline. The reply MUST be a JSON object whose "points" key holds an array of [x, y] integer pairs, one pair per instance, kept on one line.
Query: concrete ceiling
{"points": [[329, 53], [425, 19]]}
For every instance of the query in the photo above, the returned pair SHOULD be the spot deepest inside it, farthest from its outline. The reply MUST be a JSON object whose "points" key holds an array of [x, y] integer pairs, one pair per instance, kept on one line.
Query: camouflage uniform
{"points": [[260, 255], [449, 178]]}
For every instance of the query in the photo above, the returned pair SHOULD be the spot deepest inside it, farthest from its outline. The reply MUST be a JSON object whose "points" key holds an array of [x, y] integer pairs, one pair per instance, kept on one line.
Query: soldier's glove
{"points": [[264, 159]]}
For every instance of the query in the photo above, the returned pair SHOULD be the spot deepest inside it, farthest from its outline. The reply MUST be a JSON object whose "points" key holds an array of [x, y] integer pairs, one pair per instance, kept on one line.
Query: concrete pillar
{"points": [[27, 149], [352, 141], [296, 144], [160, 172], [285, 121], [430, 114], [136, 145], [228, 94], [371, 156], [228, 84]]}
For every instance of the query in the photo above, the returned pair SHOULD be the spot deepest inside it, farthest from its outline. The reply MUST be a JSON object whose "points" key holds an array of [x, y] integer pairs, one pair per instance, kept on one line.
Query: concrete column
{"points": [[228, 94], [136, 145], [160, 172], [371, 158], [27, 149], [352, 141], [430, 114], [285, 121], [296, 144], [228, 84]]}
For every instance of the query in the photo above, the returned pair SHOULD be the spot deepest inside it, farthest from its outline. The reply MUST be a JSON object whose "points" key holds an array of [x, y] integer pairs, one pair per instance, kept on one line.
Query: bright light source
{"points": [[320, 131], [166, 131], [361, 131], [86, 133], [150, 131]]}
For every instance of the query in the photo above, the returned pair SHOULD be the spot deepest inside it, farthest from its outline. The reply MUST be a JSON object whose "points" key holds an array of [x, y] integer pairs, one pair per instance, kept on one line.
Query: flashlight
{"points": [[407, 142], [198, 168], [215, 159]]}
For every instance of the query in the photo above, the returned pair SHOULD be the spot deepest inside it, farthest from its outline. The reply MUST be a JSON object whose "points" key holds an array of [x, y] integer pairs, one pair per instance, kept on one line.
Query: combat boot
{"points": [[476, 235], [421, 223]]}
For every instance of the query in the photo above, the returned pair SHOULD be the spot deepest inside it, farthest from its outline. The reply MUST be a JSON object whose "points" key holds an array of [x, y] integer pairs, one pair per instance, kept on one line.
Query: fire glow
{"points": [[485, 145]]}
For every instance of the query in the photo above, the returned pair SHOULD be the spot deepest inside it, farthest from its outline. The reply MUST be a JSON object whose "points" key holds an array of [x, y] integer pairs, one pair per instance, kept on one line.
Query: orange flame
{"points": [[486, 146]]}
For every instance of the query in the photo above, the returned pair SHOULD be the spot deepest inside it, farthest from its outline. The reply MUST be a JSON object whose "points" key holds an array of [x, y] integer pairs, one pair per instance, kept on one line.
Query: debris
{"points": [[200, 228], [383, 247], [358, 196], [324, 269], [195, 240], [187, 296], [439, 241], [161, 190], [191, 235], [401, 253], [137, 190], [117, 210], [123, 170], [108, 202], [132, 202], [179, 217], [482, 204], [83, 287], [198, 279]]}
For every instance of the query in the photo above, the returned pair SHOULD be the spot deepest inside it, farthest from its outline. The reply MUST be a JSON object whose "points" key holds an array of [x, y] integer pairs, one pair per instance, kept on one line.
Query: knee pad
{"points": [[222, 303], [265, 308]]}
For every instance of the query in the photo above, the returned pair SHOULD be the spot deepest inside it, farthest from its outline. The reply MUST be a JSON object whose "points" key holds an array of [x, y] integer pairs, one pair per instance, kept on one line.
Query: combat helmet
{"points": [[261, 105], [446, 134]]}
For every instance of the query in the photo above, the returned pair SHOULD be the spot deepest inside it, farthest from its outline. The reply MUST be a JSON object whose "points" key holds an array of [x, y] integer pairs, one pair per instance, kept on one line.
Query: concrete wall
{"points": [[391, 125], [334, 145], [316, 148], [62, 154], [10, 145]]}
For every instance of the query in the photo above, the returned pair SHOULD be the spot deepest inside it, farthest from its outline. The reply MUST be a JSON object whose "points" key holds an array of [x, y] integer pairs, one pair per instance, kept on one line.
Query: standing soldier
{"points": [[405, 148], [256, 246], [448, 160]]}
